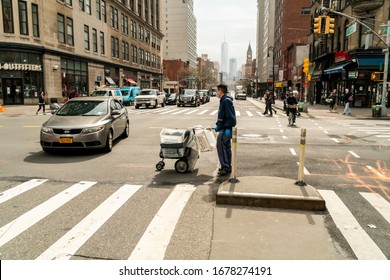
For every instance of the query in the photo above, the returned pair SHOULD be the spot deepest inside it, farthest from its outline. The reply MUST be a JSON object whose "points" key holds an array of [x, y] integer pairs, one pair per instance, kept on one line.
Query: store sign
{"points": [[22, 67], [352, 74]]}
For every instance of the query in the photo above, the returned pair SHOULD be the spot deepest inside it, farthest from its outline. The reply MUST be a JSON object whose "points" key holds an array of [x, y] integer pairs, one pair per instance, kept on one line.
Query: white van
{"points": [[108, 91]]}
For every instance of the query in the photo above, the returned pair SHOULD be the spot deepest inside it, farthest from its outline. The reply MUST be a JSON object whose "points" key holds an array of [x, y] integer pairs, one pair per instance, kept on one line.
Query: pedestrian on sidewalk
{"points": [[225, 123], [347, 101], [41, 103], [332, 103], [269, 100]]}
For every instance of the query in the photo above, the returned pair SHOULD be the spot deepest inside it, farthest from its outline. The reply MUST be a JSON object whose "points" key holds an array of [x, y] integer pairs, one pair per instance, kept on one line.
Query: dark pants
{"points": [[224, 149], [41, 105], [268, 109]]}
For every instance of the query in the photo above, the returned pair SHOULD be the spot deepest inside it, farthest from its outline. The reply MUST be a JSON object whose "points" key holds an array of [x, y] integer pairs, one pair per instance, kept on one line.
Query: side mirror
{"points": [[115, 112]]}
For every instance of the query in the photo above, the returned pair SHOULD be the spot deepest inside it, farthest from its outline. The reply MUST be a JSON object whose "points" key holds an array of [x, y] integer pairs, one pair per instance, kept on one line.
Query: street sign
{"points": [[306, 85], [351, 29]]}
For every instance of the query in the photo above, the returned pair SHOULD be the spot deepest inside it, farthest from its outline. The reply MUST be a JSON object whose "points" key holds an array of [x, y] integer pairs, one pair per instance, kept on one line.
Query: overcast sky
{"points": [[233, 19]]}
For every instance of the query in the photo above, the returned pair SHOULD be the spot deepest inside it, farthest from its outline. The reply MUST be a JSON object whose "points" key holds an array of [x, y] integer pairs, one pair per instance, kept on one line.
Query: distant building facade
{"points": [[65, 46]]}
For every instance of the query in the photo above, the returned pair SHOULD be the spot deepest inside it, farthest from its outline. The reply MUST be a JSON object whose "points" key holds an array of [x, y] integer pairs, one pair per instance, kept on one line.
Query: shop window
{"points": [[75, 77]]}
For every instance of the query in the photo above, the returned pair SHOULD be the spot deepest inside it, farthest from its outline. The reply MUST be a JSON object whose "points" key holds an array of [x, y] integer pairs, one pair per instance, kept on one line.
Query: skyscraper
{"points": [[224, 58], [232, 68], [179, 28]]}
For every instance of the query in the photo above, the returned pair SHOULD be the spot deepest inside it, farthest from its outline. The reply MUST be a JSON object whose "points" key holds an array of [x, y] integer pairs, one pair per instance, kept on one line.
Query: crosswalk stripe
{"points": [[191, 112], [214, 112], [373, 170], [19, 189], [68, 244], [260, 114], [19, 225], [170, 111], [249, 114], [379, 203], [203, 112], [179, 112], [154, 242], [362, 245], [238, 113]]}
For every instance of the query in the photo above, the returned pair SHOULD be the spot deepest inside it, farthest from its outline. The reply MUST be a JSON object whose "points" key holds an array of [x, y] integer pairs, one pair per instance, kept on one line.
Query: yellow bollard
{"points": [[233, 178], [301, 173]]}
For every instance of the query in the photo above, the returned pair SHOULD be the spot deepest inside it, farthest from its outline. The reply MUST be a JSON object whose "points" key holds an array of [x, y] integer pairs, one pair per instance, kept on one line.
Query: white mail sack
{"points": [[206, 139]]}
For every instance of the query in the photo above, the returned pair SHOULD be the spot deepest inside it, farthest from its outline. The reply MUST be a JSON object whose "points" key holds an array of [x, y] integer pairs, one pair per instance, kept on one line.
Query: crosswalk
{"points": [[157, 232], [375, 130], [196, 112]]}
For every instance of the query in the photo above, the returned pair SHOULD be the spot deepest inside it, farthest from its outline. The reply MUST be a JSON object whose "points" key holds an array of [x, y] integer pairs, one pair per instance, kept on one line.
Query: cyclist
{"points": [[291, 103]]}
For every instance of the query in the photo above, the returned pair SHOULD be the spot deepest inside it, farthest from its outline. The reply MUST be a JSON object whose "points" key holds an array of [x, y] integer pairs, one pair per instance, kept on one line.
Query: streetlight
{"points": [[271, 48]]}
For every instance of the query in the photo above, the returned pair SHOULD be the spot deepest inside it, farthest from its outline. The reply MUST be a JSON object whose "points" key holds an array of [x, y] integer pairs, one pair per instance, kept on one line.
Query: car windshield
{"points": [[83, 108], [148, 92], [188, 92], [125, 92]]}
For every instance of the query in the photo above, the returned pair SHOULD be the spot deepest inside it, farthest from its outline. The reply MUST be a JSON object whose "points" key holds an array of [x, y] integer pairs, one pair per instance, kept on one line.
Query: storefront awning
{"points": [[337, 68], [131, 81], [370, 63], [110, 81]]}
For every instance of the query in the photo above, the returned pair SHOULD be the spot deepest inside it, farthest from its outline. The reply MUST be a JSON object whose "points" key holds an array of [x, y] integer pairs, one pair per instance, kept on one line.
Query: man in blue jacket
{"points": [[226, 121]]}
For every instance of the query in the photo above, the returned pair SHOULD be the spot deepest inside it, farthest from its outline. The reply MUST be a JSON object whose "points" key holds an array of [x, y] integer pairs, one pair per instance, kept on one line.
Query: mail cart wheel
{"points": [[160, 165], [181, 166]]}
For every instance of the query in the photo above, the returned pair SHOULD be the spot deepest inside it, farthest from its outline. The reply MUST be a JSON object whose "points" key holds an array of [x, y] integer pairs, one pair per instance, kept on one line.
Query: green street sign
{"points": [[351, 29]]}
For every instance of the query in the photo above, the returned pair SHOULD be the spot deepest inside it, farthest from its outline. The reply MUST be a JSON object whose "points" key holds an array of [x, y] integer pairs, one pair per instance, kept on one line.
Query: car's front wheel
{"points": [[109, 142]]}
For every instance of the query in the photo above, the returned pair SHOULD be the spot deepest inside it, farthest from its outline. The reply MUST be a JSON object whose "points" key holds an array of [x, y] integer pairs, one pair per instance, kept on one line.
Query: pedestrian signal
{"points": [[306, 62]]}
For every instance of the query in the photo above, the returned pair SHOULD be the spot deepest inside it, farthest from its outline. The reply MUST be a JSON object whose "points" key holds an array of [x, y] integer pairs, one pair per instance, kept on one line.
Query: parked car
{"points": [[240, 95], [129, 93], [204, 96], [188, 97], [171, 98], [85, 123], [149, 98], [109, 91]]}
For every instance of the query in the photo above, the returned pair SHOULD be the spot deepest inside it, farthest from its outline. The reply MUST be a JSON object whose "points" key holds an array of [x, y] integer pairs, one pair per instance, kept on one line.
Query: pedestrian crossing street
{"points": [[158, 232]]}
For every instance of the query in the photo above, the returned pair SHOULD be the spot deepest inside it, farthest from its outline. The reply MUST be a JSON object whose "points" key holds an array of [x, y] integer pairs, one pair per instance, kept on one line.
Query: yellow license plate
{"points": [[66, 140]]}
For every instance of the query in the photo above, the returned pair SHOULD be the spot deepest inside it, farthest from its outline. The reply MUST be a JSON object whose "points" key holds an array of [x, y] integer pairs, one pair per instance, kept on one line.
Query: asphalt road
{"points": [[344, 155]]}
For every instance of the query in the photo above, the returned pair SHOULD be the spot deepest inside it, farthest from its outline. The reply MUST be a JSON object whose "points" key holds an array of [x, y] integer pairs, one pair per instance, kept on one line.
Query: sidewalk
{"points": [[319, 110]]}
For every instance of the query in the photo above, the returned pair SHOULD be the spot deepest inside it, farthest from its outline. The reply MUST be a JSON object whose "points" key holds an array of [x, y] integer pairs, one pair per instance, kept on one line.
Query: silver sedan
{"points": [[85, 123]]}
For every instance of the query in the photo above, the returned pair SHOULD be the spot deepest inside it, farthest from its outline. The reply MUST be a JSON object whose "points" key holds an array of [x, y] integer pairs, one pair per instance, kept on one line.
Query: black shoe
{"points": [[223, 172]]}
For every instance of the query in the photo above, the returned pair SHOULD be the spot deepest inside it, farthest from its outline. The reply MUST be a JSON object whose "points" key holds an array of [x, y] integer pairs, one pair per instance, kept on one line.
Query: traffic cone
{"points": [[2, 109]]}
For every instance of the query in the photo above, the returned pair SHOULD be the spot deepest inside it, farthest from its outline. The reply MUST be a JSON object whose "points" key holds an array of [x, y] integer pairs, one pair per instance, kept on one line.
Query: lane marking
{"points": [[293, 152], [67, 245], [284, 137], [325, 131], [335, 140], [354, 154], [362, 245], [19, 189], [379, 203], [154, 242], [304, 170], [373, 170], [19, 225]]}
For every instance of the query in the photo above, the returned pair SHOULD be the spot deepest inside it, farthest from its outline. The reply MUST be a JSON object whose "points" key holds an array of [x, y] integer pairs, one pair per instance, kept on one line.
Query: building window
{"points": [[141, 56], [125, 51], [88, 7], [158, 62], [94, 40], [69, 31], [81, 5], [134, 54], [133, 29], [345, 45], [140, 8], [61, 28], [158, 44], [114, 17], [102, 49], [146, 10], [147, 58], [153, 41], [86, 37], [23, 20], [154, 61], [157, 12], [104, 11], [114, 47], [305, 11], [147, 38], [35, 20], [132, 5], [98, 10], [8, 17], [141, 33], [125, 24]]}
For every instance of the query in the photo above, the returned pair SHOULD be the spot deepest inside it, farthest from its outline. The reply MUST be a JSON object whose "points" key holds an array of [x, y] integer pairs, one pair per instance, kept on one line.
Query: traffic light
{"points": [[377, 76], [329, 27], [306, 62], [317, 25]]}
